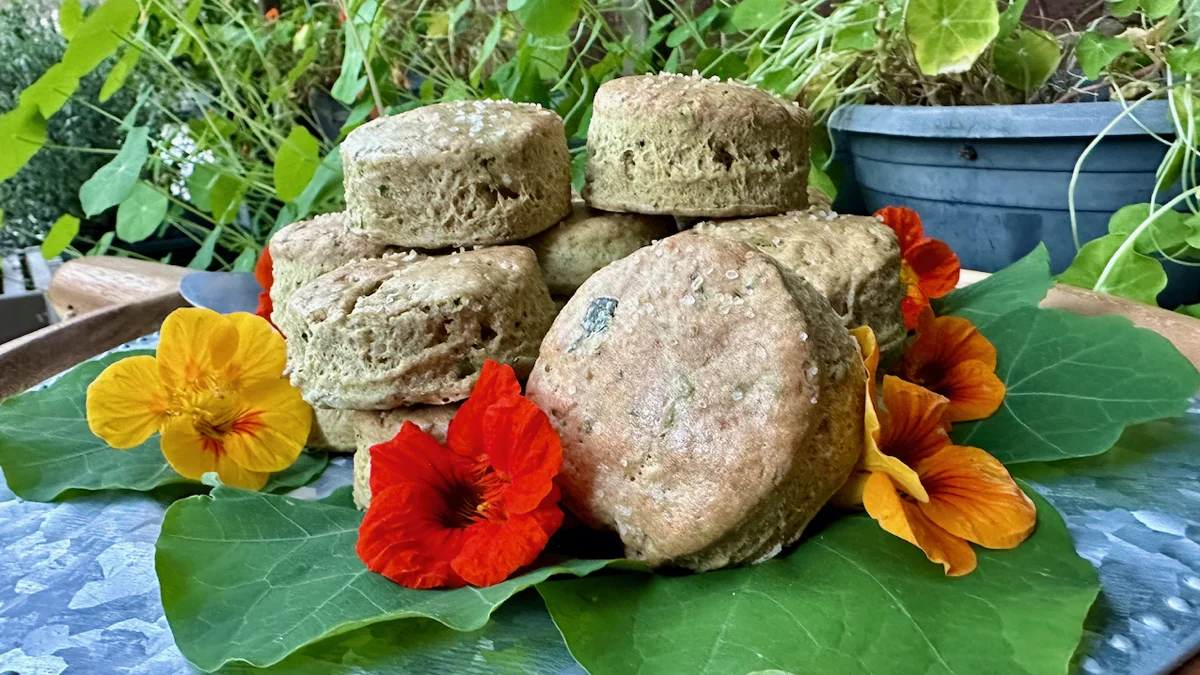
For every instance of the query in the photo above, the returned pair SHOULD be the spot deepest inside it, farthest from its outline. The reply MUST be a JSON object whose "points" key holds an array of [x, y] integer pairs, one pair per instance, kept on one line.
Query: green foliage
{"points": [[98, 37], [114, 182], [227, 565], [1095, 52], [1133, 275], [70, 16], [25, 129], [752, 14], [46, 448], [60, 236], [295, 163], [850, 599], [1020, 285], [546, 18], [1074, 383], [1026, 58], [140, 214], [948, 35]]}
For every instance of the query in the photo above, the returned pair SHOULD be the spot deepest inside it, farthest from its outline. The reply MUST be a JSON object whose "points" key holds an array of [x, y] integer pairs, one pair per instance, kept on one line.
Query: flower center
{"points": [[479, 500], [214, 412], [930, 375]]}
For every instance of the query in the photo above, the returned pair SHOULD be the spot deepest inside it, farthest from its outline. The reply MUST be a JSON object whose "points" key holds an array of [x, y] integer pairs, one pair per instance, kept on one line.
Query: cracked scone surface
{"points": [[400, 331], [854, 261], [372, 427], [686, 146], [332, 429], [587, 240], [709, 402], [305, 250], [457, 174]]}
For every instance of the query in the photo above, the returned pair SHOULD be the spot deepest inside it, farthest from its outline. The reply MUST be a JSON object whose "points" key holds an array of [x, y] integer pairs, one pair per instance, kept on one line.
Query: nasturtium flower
{"points": [[215, 391], [928, 268], [475, 510], [264, 273], [970, 496], [951, 357]]}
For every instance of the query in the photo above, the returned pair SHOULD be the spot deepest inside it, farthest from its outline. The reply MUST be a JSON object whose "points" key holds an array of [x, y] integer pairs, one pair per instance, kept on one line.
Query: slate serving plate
{"points": [[78, 593]]}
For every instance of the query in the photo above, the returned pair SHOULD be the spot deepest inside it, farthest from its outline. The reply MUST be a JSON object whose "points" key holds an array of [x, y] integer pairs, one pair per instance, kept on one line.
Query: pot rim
{"points": [[1050, 120]]}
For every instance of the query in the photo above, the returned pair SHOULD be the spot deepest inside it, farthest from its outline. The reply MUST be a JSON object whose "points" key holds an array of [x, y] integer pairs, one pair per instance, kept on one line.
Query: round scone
{"points": [[398, 331], [303, 251], [332, 429], [818, 199], [709, 402], [458, 174], [854, 261], [687, 146], [587, 240], [372, 427]]}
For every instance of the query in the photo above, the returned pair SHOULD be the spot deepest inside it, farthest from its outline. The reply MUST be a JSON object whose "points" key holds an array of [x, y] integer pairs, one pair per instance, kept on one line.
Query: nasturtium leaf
{"points": [[822, 182], [102, 244], [1134, 276], [246, 260], [1168, 230], [1157, 9], [98, 37], [948, 35], [1123, 8], [50, 91], [1026, 58], [70, 15], [852, 599], [23, 133], [225, 197], [120, 72], [326, 179], [489, 46], [546, 18], [114, 182], [1010, 18], [1074, 383], [777, 80], [859, 34], [141, 213], [295, 163], [253, 577], [204, 256], [1021, 284], [60, 236], [1096, 51], [753, 14], [1171, 168], [1184, 59]]}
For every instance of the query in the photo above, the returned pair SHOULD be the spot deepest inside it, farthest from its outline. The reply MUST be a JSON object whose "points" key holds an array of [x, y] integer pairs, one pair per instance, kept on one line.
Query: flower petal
{"points": [[413, 456], [264, 274], [913, 421], [261, 353], [907, 521], [127, 403], [404, 538], [941, 342], [974, 392], [524, 449], [905, 223], [270, 433], [913, 304], [466, 433], [193, 455], [936, 266], [868, 348], [194, 343], [972, 496], [493, 550]]}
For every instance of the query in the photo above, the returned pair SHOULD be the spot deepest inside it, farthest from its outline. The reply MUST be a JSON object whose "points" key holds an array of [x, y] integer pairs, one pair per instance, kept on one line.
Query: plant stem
{"points": [[1126, 245]]}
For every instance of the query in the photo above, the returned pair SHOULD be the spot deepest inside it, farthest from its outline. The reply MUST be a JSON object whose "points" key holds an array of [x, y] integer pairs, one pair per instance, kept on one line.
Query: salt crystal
{"points": [[731, 274], [737, 396], [813, 400], [687, 300], [776, 241], [812, 372], [803, 336]]}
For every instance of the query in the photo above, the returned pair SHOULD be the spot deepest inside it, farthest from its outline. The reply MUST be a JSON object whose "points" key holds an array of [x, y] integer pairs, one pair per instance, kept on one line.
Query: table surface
{"points": [[78, 592]]}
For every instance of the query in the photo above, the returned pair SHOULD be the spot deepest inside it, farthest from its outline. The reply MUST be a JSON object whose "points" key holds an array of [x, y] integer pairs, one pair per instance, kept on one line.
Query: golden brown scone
{"points": [[400, 331], [709, 402], [332, 429], [457, 174], [372, 427], [682, 145]]}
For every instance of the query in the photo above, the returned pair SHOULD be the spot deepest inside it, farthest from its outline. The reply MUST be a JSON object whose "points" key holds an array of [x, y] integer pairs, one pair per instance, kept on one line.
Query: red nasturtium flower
{"points": [[264, 274], [272, 14], [951, 357], [928, 268], [473, 512]]}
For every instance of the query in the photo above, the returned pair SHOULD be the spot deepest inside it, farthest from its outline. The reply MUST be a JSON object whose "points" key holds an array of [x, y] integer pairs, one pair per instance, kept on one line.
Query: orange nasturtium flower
{"points": [[941, 496], [951, 357], [928, 268], [264, 274], [215, 391]]}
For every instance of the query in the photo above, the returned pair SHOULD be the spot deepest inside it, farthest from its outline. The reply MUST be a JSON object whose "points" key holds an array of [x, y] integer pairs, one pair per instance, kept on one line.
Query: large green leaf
{"points": [[120, 72], [1074, 383], [60, 236], [753, 14], [295, 163], [23, 133], [546, 18], [357, 42], [1010, 18], [46, 448], [1134, 276], [1096, 51], [1169, 230], [852, 599], [70, 16], [253, 577], [114, 182], [1026, 58], [1021, 284], [98, 37], [948, 35], [50, 91], [141, 213]]}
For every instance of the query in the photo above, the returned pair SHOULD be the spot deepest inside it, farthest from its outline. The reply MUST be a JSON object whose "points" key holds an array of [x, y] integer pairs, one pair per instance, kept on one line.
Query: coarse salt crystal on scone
{"points": [[465, 173], [709, 402], [688, 146]]}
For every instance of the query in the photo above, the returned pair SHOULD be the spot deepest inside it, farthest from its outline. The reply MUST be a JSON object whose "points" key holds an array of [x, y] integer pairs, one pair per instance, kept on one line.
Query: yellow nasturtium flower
{"points": [[215, 392]]}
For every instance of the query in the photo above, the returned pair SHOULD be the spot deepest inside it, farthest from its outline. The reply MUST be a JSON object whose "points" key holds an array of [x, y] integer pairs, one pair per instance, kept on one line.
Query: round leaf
{"points": [[753, 14], [1096, 51], [1026, 59], [61, 233], [547, 18], [948, 35], [1168, 231], [1134, 276], [114, 182], [99, 35], [141, 213], [295, 163], [22, 133], [70, 16], [51, 90]]}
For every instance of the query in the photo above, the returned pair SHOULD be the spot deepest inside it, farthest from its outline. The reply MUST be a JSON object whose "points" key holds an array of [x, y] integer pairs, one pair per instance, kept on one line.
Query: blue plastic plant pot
{"points": [[993, 181]]}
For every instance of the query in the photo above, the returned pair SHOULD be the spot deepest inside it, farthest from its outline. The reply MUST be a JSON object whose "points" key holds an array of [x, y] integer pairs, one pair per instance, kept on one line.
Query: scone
{"points": [[709, 402], [374, 427], [467, 173], [819, 200], [400, 331], [332, 429], [685, 146], [854, 261], [587, 240], [303, 251]]}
